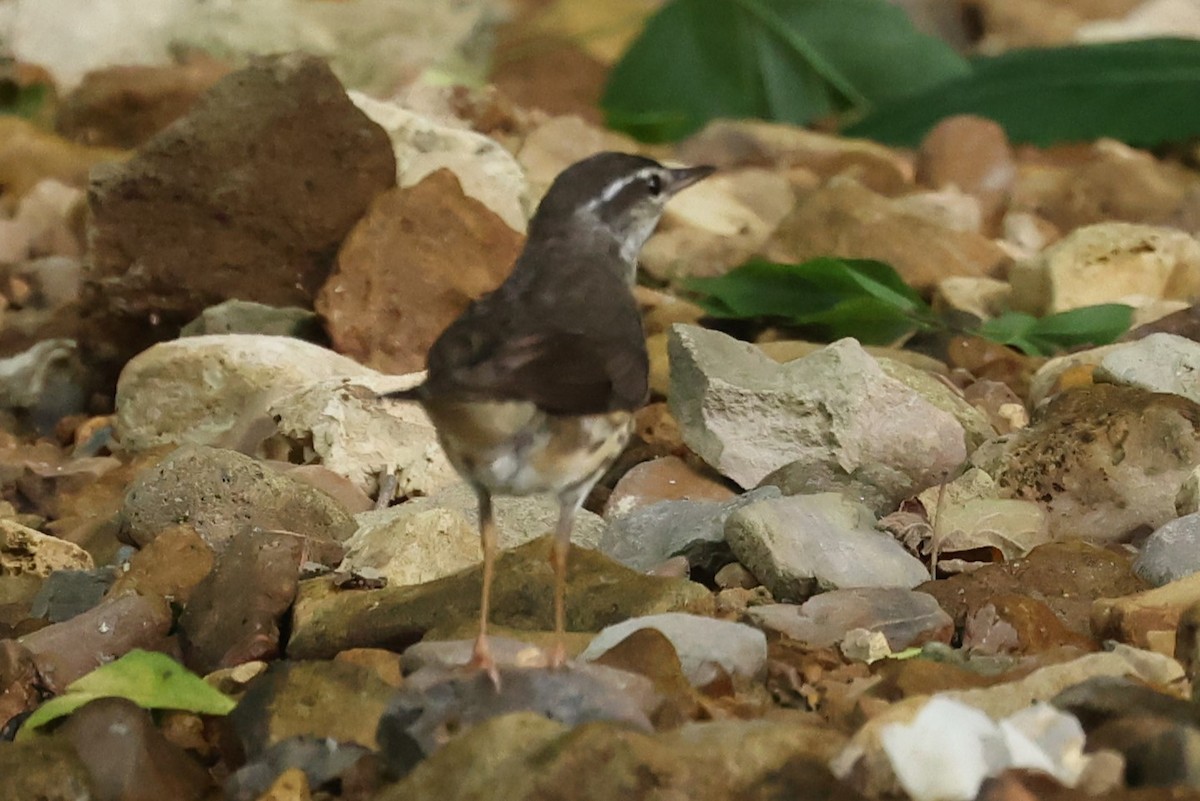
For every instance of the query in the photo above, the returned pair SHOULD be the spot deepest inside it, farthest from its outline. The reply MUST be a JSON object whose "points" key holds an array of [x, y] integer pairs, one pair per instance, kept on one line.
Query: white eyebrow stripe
{"points": [[614, 189]]}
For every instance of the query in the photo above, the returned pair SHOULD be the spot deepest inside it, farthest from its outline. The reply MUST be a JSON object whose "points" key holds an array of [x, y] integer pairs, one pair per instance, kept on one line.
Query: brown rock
{"points": [[246, 197], [171, 565], [561, 141], [973, 154], [1065, 576], [1032, 23], [845, 219], [18, 682], [667, 478], [128, 758], [235, 612], [551, 73], [42, 769], [1105, 461], [386, 665], [29, 154], [1018, 624], [409, 268], [123, 106], [1146, 619], [65, 651]]}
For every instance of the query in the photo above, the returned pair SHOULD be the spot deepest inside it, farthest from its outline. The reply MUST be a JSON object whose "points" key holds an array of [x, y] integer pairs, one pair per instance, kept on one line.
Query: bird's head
{"points": [[618, 193]]}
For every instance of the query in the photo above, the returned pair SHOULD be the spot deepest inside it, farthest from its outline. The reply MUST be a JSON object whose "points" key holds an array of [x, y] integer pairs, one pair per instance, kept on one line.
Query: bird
{"points": [[532, 389]]}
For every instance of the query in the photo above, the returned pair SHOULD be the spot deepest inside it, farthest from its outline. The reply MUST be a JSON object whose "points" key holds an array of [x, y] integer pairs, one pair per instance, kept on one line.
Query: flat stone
{"points": [[235, 612], [1147, 619], [600, 592], [906, 618], [221, 493], [649, 535], [170, 565], [1158, 363], [708, 649], [25, 551], [424, 539], [67, 593], [247, 317], [802, 544], [667, 478], [1172, 552], [836, 411], [290, 206], [386, 312], [1018, 624]]}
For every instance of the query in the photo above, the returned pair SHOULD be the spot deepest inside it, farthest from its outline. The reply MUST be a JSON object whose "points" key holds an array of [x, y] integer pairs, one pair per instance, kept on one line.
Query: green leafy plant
{"points": [[788, 60], [868, 300], [149, 679]]}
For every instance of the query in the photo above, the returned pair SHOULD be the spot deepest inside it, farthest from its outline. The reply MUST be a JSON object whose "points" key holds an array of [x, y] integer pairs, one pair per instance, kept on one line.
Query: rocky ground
{"points": [[819, 571]]}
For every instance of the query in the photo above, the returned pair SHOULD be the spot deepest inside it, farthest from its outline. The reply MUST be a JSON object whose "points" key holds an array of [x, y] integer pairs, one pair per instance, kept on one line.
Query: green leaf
{"points": [[1141, 92], [837, 297], [786, 60], [150, 679], [1091, 325], [21, 101]]}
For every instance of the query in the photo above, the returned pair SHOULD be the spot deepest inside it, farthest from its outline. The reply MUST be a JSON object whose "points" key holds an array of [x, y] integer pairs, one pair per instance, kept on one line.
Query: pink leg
{"points": [[481, 656]]}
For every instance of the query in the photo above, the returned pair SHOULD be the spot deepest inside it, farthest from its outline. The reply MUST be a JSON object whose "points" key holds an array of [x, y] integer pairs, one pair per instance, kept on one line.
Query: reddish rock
{"points": [[1018, 624], [246, 197], [171, 565], [18, 681], [667, 478], [409, 268], [972, 153]]}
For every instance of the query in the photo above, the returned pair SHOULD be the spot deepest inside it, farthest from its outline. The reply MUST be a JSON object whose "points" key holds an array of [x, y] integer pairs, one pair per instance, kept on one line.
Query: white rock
{"points": [[26, 551], [707, 648], [836, 409], [1155, 18], [1108, 263], [1159, 363], [487, 171]]}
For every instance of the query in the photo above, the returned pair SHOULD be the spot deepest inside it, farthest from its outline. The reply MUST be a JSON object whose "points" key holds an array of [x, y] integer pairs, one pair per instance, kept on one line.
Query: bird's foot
{"points": [[481, 659], [558, 656]]}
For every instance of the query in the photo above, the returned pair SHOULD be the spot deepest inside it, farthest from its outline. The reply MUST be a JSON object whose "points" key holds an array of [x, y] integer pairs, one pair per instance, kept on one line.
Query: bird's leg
{"points": [[481, 656], [569, 503]]}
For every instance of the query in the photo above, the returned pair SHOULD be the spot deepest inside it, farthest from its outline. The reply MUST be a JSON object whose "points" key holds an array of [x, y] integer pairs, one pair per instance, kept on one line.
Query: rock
{"points": [[127, 757], [735, 576], [1157, 18], [1005, 529], [290, 206], [1157, 752], [45, 769], [65, 651], [802, 544], [1018, 624], [1108, 263], [443, 655], [789, 148], [170, 565], [25, 551], [950, 748], [1158, 363], [30, 155], [46, 382], [599, 593], [124, 105], [667, 478], [221, 494], [747, 416], [247, 317], [720, 226], [286, 770], [330, 700], [196, 389], [19, 682], [708, 649], [904, 617], [649, 535], [522, 757], [1147, 619], [949, 207], [1066, 576], [1171, 552], [67, 593], [386, 312], [235, 612], [846, 219], [46, 223], [559, 142], [1106, 462], [424, 539], [433, 704], [486, 171], [971, 153], [1103, 699]]}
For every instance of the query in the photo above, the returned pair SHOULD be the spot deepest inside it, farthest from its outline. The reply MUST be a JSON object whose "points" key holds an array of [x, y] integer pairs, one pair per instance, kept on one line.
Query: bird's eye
{"points": [[654, 183]]}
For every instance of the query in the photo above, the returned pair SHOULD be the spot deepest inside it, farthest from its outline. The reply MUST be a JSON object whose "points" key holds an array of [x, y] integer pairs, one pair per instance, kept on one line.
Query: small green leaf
{"points": [[786, 60], [147, 678], [1141, 92], [1091, 325]]}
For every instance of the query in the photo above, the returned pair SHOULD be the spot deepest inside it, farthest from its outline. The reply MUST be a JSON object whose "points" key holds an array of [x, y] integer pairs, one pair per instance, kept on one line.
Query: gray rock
{"points": [[248, 317], [221, 493], [648, 535], [707, 648], [748, 416], [1171, 552], [323, 760], [805, 543], [67, 593], [1159, 363], [427, 538], [904, 617], [47, 381]]}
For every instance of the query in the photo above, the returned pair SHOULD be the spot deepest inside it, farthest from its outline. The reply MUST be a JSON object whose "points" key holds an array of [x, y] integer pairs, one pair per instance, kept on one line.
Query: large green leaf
{"points": [[1142, 92], [1090, 325], [835, 297], [787, 60], [149, 679]]}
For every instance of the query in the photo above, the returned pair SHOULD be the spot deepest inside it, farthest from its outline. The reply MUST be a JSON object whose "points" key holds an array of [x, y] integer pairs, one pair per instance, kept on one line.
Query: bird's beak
{"points": [[683, 177]]}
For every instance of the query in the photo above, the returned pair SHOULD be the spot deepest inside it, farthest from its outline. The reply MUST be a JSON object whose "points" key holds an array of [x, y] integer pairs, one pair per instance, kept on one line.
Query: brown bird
{"points": [[533, 388]]}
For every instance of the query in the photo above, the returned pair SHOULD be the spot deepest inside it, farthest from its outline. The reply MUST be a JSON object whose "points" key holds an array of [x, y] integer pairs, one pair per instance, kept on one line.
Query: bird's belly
{"points": [[513, 448]]}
